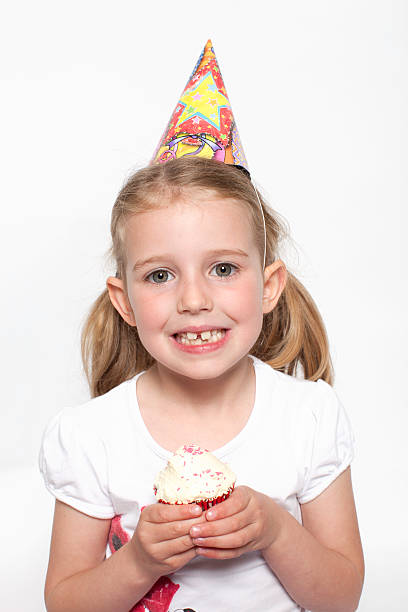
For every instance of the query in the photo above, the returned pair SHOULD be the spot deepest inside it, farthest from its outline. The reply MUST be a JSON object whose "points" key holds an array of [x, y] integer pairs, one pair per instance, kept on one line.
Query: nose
{"points": [[194, 296]]}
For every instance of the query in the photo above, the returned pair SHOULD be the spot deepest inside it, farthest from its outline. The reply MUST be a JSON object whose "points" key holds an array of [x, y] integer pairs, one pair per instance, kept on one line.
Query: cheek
{"points": [[150, 312], [248, 297]]}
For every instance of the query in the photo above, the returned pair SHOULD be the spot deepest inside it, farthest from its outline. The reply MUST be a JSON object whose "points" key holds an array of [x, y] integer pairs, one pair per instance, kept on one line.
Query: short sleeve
{"points": [[73, 463], [331, 444]]}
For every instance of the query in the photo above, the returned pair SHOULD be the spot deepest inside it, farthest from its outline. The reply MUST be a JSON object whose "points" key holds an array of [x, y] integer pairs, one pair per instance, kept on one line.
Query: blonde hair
{"points": [[293, 335]]}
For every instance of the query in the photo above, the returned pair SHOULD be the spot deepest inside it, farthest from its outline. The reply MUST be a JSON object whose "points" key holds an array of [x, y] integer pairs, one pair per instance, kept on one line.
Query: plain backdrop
{"points": [[319, 92]]}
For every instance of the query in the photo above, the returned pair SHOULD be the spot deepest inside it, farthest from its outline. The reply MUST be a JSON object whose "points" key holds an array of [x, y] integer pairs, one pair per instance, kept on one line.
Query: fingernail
{"points": [[195, 531], [210, 514], [196, 510]]}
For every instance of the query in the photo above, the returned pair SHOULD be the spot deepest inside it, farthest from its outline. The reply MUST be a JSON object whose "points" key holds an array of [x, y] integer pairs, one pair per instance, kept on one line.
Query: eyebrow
{"points": [[216, 252]]}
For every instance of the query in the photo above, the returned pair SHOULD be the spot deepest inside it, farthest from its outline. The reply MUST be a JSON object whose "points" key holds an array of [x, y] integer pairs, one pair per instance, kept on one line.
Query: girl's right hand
{"points": [[161, 542]]}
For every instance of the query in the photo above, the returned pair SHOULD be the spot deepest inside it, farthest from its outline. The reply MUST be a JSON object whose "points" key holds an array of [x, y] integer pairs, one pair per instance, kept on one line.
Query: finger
{"points": [[221, 553], [223, 526], [169, 548], [238, 539], [236, 502], [175, 529], [165, 513], [177, 561]]}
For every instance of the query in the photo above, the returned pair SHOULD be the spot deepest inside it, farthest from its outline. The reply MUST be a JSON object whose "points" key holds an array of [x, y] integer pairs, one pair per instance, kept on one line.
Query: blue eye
{"points": [[225, 269], [159, 276]]}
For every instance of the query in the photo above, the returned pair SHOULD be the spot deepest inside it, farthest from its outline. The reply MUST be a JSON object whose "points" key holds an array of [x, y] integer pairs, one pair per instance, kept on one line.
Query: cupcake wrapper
{"points": [[204, 503]]}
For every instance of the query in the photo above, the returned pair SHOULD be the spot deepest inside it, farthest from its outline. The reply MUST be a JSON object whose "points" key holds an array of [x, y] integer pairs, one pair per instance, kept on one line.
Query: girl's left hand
{"points": [[246, 521]]}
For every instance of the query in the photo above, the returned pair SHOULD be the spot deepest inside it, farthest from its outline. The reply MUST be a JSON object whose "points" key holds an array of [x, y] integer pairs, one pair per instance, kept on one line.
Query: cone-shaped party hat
{"points": [[202, 123]]}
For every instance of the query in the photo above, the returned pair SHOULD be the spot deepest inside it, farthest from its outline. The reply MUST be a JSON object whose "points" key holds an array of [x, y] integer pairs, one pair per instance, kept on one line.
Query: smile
{"points": [[199, 339]]}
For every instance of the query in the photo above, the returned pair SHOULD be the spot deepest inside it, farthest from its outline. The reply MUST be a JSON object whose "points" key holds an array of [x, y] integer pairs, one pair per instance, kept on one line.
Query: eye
{"points": [[224, 269], [159, 276]]}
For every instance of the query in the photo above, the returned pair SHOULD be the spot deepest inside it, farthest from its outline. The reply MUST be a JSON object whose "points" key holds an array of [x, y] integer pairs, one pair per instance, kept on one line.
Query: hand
{"points": [[161, 542], [247, 520]]}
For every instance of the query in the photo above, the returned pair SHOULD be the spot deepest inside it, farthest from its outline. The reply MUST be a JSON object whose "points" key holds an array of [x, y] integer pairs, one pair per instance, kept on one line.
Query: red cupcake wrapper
{"points": [[204, 503]]}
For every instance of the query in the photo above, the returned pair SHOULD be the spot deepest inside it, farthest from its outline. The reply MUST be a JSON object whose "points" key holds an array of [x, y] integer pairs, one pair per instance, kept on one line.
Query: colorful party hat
{"points": [[202, 123]]}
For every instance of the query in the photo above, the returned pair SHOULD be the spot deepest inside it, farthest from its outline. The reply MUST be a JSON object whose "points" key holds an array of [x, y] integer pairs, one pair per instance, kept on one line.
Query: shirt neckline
{"points": [[220, 452]]}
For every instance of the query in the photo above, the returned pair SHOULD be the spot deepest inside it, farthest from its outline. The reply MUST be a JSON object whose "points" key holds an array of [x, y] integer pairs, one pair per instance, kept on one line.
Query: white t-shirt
{"points": [[101, 459]]}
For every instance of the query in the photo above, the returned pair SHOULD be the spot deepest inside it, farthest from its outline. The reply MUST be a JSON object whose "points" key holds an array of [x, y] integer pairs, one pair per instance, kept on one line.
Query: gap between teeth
{"points": [[203, 338]]}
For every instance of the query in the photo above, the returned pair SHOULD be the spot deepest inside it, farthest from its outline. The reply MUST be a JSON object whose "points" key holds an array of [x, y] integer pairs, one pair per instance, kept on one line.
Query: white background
{"points": [[319, 93]]}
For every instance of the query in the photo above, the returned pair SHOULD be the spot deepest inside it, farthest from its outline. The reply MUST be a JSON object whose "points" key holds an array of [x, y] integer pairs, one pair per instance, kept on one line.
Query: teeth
{"points": [[206, 337]]}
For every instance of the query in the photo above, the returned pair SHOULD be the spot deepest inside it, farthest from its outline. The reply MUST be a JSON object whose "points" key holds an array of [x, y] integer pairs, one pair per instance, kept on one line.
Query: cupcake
{"points": [[194, 476]]}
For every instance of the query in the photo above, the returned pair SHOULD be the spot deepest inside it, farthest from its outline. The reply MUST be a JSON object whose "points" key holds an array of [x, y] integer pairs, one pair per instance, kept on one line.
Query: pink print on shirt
{"points": [[159, 597]]}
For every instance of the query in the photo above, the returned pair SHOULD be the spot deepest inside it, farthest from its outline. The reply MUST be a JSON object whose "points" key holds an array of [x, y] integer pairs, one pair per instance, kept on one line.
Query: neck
{"points": [[203, 395]]}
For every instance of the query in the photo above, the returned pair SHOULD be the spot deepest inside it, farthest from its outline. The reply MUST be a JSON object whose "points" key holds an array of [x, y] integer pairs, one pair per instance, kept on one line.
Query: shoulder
{"points": [[73, 454], [310, 423], [293, 393], [90, 423], [99, 412], [304, 407]]}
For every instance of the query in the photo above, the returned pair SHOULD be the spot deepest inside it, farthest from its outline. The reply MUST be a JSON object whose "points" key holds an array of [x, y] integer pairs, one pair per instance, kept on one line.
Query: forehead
{"points": [[189, 225]]}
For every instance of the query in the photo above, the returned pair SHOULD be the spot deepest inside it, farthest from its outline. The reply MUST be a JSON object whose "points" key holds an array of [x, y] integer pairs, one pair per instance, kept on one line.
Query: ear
{"points": [[275, 276], [119, 299]]}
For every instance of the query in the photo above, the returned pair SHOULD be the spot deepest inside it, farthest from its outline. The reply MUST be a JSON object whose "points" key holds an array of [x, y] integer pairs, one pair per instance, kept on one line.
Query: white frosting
{"points": [[193, 474]]}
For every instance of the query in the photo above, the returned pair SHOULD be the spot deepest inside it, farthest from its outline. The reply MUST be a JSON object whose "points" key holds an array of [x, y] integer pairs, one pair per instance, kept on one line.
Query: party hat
{"points": [[202, 123]]}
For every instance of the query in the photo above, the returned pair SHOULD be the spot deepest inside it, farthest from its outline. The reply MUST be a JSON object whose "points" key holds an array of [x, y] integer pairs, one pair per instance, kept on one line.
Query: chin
{"points": [[202, 369]]}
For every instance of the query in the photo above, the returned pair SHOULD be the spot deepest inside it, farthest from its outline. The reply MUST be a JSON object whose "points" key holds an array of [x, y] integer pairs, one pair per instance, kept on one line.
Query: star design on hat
{"points": [[211, 100]]}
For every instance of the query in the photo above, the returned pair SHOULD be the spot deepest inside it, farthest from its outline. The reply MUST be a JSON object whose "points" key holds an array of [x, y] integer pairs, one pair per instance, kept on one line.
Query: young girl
{"points": [[188, 240]]}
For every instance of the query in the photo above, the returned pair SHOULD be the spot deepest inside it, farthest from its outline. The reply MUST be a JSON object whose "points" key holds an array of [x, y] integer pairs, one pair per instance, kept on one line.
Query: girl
{"points": [[188, 240]]}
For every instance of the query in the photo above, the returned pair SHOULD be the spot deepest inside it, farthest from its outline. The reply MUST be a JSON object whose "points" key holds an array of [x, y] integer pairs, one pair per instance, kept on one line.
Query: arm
{"points": [[80, 578], [320, 564]]}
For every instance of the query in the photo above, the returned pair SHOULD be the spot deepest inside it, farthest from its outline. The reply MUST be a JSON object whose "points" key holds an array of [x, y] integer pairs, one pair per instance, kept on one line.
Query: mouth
{"points": [[209, 336]]}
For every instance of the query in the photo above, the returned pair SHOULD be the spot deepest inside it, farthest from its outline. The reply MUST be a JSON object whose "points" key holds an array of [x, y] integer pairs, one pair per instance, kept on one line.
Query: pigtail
{"points": [[294, 335], [111, 349]]}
